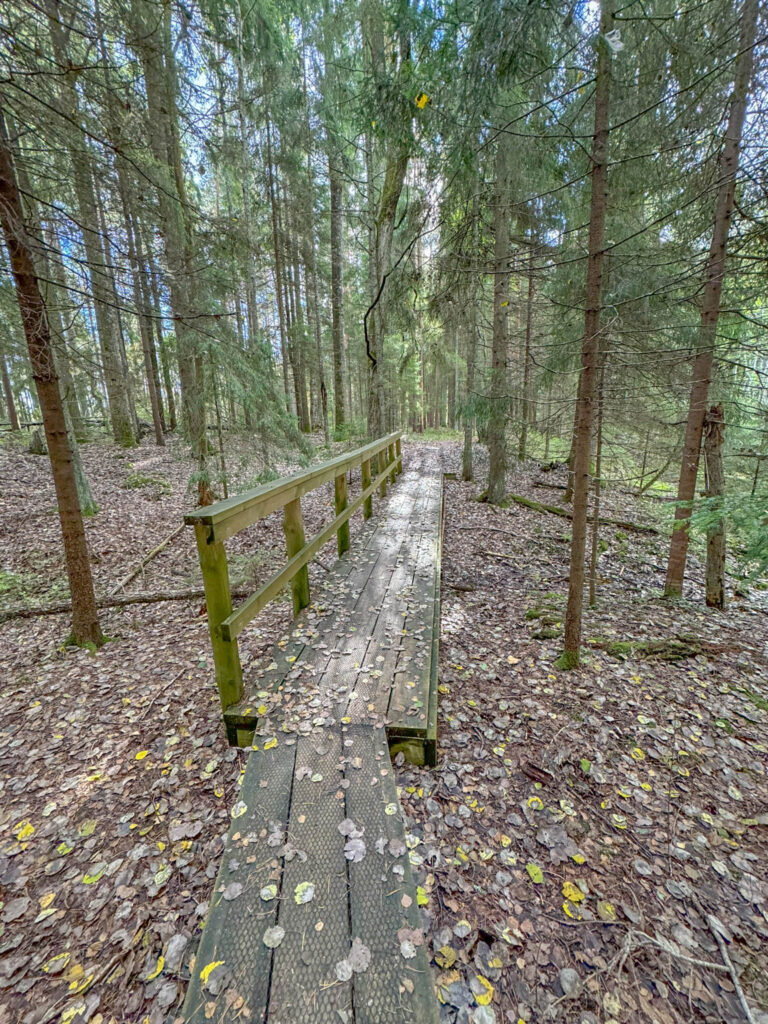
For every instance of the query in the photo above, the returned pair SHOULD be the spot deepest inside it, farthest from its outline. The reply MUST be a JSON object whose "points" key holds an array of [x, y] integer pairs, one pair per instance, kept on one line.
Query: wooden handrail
{"points": [[232, 515], [215, 523]]}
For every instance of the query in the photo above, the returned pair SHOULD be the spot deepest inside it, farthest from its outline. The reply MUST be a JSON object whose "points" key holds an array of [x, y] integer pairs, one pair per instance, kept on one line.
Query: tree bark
{"points": [[85, 192], [13, 417], [526, 418], [728, 167], [497, 419], [85, 622], [337, 295], [714, 435], [590, 351], [152, 43]]}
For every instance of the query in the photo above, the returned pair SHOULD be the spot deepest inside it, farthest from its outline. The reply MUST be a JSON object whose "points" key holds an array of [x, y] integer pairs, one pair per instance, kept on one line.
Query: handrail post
{"points": [[293, 527], [399, 453], [340, 495], [381, 460], [391, 462], [365, 471], [218, 600]]}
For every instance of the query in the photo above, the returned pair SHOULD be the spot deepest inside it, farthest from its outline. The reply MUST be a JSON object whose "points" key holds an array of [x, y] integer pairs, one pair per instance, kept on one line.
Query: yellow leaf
{"points": [[422, 100], [486, 996], [606, 910], [56, 963], [572, 892], [206, 971], [23, 830], [47, 900], [141, 755], [158, 968], [421, 897], [445, 957], [261, 709], [271, 742]]}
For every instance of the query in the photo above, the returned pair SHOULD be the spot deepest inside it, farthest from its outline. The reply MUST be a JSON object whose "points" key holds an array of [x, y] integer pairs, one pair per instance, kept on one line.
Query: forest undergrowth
{"points": [[578, 842]]}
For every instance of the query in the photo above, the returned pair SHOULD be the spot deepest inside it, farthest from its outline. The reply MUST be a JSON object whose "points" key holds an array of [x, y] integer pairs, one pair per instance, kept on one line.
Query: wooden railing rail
{"points": [[215, 523]]}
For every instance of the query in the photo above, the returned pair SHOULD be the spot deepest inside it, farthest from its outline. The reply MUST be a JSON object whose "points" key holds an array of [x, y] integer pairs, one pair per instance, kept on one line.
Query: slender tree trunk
{"points": [[595, 539], [714, 435], [522, 450], [13, 417], [85, 192], [497, 420], [152, 42], [85, 621], [728, 167], [590, 351], [278, 272], [337, 293], [145, 326], [57, 287]]}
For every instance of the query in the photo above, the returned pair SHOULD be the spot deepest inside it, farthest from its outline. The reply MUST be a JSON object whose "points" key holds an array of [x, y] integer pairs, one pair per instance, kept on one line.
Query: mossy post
{"points": [[340, 491], [366, 482], [399, 453], [391, 462], [381, 462], [293, 527], [218, 600]]}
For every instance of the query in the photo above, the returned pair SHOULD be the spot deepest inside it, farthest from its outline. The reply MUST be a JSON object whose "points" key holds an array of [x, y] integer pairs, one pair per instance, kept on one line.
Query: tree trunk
{"points": [[85, 192], [278, 273], [595, 539], [85, 622], [13, 418], [714, 435], [522, 450], [728, 166], [153, 46], [337, 295], [497, 420], [590, 351]]}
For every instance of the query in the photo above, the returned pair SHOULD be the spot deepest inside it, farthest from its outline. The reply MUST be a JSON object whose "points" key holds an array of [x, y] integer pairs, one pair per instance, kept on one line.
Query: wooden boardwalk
{"points": [[314, 916]]}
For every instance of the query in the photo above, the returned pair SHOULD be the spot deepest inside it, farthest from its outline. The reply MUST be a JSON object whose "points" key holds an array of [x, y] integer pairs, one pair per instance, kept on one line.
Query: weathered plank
{"points": [[382, 897], [234, 929], [304, 988]]}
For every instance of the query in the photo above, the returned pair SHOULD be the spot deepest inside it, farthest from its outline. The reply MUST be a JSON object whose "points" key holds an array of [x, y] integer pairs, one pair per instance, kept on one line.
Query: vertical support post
{"points": [[293, 527], [391, 462], [399, 453], [380, 463], [366, 482], [226, 659], [340, 493]]}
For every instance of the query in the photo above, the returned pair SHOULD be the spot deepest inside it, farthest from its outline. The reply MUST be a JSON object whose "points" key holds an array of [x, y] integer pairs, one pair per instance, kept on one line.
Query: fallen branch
{"points": [[713, 927], [556, 510], [146, 560], [111, 602]]}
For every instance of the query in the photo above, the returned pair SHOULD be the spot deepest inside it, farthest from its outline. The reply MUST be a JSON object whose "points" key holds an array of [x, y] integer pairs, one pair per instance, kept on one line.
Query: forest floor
{"points": [[580, 844]]}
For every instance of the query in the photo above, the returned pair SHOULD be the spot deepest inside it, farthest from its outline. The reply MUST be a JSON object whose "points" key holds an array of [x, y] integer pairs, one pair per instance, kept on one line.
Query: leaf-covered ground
{"points": [[588, 841]]}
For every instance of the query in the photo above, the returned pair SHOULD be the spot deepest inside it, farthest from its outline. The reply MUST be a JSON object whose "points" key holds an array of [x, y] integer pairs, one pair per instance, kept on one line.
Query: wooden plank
{"points": [[234, 929], [230, 516], [304, 988], [376, 892], [226, 660]]}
